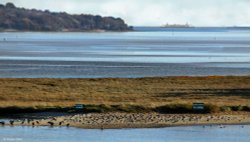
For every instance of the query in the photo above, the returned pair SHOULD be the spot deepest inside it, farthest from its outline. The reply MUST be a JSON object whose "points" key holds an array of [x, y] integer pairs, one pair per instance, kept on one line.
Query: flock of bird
{"points": [[100, 120]]}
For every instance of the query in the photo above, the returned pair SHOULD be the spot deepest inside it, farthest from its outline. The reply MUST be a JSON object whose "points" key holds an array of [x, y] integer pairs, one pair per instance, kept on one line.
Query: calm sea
{"points": [[145, 52], [236, 133]]}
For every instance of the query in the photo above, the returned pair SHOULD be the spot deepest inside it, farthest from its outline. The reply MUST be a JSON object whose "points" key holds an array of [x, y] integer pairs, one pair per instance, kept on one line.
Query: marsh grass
{"points": [[162, 94]]}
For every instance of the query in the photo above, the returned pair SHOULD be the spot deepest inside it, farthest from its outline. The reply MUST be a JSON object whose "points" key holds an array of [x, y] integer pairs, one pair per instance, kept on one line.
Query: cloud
{"points": [[154, 12]]}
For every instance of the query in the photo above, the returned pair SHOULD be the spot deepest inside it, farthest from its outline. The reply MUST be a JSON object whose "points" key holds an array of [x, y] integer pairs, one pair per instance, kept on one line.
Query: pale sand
{"points": [[134, 120]]}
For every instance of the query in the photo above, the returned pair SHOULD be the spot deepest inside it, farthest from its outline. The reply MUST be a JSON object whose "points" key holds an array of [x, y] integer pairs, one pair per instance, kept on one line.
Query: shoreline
{"points": [[133, 120], [70, 31]]}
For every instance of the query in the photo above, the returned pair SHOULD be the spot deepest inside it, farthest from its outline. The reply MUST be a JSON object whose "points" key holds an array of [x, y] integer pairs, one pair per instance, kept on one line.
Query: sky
{"points": [[153, 12]]}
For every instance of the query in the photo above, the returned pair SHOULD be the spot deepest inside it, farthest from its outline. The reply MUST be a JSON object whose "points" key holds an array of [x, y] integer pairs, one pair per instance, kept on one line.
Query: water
{"points": [[234, 133], [145, 52]]}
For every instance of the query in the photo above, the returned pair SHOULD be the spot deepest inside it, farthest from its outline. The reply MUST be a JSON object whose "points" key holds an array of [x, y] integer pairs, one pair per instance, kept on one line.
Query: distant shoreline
{"points": [[193, 27], [21, 19], [69, 31], [135, 29]]}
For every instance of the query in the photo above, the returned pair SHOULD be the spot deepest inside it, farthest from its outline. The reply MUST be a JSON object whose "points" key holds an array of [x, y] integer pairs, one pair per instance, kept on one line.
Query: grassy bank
{"points": [[157, 94], [166, 109]]}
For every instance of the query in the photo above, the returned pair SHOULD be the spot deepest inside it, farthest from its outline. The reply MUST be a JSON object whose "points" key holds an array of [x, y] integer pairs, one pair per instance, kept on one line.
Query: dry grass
{"points": [[147, 92]]}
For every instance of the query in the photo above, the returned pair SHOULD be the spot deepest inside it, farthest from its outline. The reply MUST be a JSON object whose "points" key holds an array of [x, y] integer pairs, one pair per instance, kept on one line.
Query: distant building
{"points": [[176, 25]]}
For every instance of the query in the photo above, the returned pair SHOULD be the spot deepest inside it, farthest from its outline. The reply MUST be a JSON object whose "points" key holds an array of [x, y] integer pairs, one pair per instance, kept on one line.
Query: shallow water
{"points": [[146, 52], [236, 133]]}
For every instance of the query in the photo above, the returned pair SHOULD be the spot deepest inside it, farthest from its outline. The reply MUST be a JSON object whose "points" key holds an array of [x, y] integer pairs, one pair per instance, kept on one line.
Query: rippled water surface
{"points": [[173, 134], [145, 52]]}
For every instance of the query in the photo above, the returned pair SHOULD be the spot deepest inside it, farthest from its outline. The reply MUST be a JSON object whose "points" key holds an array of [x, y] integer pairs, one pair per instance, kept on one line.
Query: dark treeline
{"points": [[21, 19]]}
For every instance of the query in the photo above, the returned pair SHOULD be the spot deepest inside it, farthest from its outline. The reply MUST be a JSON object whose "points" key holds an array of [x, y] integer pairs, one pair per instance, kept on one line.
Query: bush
{"points": [[236, 108], [225, 109], [174, 108], [96, 108], [130, 108], [114, 108], [246, 108], [209, 108]]}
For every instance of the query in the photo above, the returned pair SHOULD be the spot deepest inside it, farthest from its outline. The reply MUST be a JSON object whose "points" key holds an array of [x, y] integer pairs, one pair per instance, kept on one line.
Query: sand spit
{"points": [[131, 120]]}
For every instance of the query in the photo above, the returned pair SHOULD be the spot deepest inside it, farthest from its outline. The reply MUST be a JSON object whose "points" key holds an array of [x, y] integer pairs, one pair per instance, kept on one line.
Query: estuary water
{"points": [[145, 52], [235, 133]]}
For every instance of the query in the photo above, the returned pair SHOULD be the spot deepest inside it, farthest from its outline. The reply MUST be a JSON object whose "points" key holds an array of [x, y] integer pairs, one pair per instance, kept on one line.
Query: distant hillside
{"points": [[21, 19]]}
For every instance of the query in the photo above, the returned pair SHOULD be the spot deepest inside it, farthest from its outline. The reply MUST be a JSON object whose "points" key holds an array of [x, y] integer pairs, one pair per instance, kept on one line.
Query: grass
{"points": [[162, 94]]}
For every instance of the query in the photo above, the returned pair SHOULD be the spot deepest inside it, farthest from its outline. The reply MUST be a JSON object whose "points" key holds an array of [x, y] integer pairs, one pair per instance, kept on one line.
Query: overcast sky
{"points": [[154, 12]]}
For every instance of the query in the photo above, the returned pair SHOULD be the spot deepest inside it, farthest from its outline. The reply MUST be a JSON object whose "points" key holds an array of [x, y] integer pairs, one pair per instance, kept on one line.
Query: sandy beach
{"points": [[132, 120]]}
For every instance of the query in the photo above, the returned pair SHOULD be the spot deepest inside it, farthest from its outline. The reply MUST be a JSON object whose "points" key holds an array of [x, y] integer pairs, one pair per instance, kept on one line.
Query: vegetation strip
{"points": [[156, 94]]}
